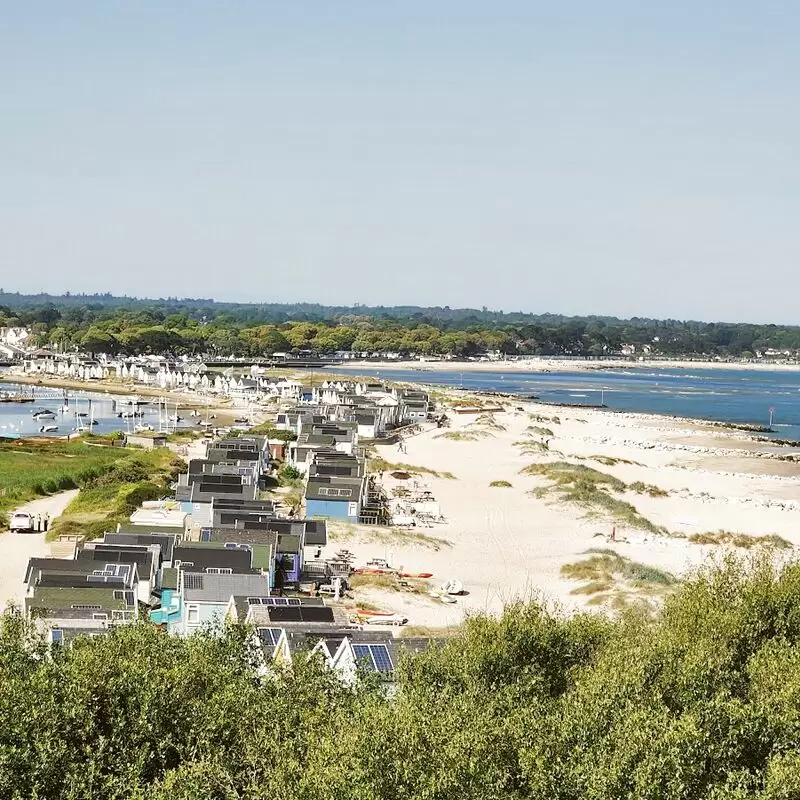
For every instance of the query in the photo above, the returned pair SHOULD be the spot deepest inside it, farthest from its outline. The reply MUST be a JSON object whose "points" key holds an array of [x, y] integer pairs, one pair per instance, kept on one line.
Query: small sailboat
{"points": [[48, 429], [44, 414]]}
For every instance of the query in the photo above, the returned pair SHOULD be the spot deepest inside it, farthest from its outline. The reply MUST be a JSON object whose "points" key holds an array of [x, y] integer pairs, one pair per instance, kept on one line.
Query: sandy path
{"points": [[17, 548]]}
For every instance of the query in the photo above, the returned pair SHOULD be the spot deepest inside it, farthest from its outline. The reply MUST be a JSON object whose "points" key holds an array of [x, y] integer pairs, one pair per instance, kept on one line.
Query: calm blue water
{"points": [[743, 396], [16, 419]]}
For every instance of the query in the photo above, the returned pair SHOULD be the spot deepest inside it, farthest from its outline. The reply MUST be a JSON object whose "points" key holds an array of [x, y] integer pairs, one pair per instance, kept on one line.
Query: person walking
{"points": [[46, 521]]}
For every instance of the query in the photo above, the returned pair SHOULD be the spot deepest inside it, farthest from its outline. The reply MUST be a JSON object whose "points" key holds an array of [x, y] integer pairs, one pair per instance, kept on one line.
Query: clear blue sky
{"points": [[628, 158]]}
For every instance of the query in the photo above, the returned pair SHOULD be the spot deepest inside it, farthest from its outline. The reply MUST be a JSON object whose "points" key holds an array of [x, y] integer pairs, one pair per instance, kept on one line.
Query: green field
{"points": [[31, 468]]}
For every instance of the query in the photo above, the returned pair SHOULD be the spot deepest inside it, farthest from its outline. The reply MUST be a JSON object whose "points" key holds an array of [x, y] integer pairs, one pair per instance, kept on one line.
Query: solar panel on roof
{"points": [[285, 614], [269, 636], [316, 614], [374, 657], [192, 580], [380, 654]]}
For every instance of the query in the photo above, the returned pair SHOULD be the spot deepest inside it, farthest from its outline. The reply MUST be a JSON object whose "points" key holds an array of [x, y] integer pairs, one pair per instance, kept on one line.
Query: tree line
{"points": [[700, 703], [103, 324]]}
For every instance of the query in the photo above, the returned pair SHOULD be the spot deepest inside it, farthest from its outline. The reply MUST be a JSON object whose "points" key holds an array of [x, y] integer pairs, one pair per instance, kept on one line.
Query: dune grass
{"points": [[378, 464], [532, 447], [589, 488], [487, 421], [385, 535], [541, 418], [370, 580], [473, 435], [500, 485], [647, 488], [537, 430], [612, 461], [742, 540], [604, 570]]}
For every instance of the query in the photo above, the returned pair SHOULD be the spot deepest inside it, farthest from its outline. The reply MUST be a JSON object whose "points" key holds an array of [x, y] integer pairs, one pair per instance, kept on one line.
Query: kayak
{"points": [[416, 574], [373, 571], [369, 612]]}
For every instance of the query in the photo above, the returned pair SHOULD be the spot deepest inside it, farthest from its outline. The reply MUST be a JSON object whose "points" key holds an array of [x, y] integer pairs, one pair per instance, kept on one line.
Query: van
{"points": [[21, 522]]}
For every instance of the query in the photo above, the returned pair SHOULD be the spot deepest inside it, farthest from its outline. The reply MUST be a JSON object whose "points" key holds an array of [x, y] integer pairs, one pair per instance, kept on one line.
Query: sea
{"points": [[73, 411], [724, 395]]}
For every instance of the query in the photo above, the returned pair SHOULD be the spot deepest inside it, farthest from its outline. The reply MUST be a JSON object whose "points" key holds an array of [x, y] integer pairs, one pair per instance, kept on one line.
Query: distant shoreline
{"points": [[559, 365]]}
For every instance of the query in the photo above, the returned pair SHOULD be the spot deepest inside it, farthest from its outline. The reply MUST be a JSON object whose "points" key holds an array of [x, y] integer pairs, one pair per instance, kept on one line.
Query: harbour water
{"points": [[736, 396], [73, 412]]}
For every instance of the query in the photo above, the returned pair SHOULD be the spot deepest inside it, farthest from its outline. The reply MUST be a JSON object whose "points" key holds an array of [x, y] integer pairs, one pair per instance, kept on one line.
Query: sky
{"points": [[626, 158]]}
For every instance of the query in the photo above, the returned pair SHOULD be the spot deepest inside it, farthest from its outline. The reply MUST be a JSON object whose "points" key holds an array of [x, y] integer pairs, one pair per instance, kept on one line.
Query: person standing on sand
{"points": [[46, 522], [38, 523]]}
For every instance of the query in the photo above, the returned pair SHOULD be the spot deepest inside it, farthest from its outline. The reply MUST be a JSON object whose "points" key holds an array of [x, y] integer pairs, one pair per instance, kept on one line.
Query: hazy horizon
{"points": [[576, 159]]}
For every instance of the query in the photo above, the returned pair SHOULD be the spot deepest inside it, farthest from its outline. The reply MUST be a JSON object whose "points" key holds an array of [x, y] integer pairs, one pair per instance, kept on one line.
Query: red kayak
{"points": [[365, 612], [373, 571], [416, 574]]}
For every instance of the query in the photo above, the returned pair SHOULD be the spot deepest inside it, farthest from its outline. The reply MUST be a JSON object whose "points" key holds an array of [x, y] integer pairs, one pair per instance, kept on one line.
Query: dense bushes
{"points": [[703, 702]]}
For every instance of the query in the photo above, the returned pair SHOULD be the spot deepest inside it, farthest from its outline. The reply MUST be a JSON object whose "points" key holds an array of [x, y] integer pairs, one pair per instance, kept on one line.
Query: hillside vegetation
{"points": [[701, 702], [106, 324]]}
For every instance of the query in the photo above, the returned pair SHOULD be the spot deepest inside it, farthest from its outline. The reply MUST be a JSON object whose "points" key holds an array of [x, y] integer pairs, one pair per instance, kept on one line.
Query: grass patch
{"points": [[500, 485], [647, 488], [593, 587], [562, 473], [473, 435], [118, 491], [604, 570], [612, 461], [541, 418], [379, 464], [31, 468], [532, 447], [487, 421], [427, 630], [589, 488], [538, 431], [385, 535], [743, 540], [372, 581]]}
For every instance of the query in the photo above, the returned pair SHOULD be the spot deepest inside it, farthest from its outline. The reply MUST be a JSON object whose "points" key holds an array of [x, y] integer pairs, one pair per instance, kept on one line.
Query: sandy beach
{"points": [[504, 543]]}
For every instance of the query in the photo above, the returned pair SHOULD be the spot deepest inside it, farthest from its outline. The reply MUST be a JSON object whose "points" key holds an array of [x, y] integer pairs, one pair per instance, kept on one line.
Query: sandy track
{"points": [[17, 548]]}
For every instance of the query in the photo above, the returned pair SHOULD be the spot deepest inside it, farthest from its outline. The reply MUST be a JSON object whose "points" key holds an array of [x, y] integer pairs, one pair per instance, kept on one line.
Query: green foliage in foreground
{"points": [[702, 702]]}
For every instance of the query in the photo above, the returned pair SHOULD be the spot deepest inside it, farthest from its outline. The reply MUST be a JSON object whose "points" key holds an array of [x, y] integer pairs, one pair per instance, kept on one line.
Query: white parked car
{"points": [[21, 522]]}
